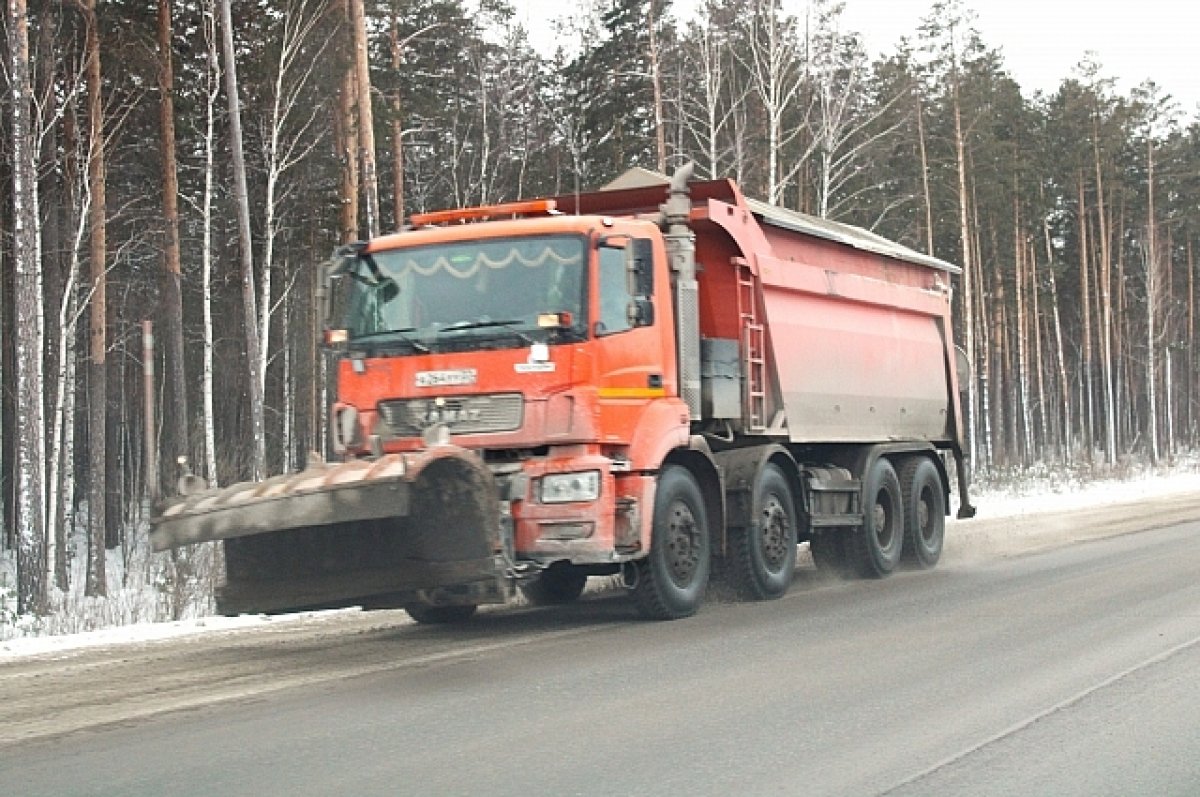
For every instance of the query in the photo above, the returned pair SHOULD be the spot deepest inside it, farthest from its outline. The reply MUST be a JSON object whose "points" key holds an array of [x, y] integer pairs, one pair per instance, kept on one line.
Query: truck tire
{"points": [[559, 583], [875, 546], [763, 555], [671, 581], [427, 614], [924, 512]]}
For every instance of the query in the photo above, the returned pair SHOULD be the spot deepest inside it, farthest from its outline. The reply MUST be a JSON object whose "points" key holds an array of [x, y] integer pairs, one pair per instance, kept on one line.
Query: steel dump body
{"points": [[857, 338], [856, 329]]}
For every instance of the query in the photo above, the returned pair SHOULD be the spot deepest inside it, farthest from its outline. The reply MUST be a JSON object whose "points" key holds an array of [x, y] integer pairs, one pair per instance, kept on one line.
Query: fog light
{"points": [[565, 531], [563, 488]]}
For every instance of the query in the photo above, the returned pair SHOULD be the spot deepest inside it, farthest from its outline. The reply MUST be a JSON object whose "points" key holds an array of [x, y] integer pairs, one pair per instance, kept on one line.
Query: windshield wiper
{"points": [[509, 323], [399, 333]]}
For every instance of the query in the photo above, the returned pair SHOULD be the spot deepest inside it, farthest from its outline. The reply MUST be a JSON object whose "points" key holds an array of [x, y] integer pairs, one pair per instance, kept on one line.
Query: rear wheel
{"points": [[427, 614], [671, 581], [764, 551], [560, 583], [924, 512], [877, 544]]}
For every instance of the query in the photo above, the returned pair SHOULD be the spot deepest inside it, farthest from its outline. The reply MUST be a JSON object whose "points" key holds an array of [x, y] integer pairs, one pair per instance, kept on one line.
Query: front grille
{"points": [[499, 412]]}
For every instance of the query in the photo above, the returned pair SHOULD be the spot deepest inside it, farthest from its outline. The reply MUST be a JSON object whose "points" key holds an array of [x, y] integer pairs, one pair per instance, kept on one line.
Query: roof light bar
{"points": [[527, 208]]}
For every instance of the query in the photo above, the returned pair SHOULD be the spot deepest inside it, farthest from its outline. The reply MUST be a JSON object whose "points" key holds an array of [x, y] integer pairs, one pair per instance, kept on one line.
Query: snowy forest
{"points": [[187, 163]]}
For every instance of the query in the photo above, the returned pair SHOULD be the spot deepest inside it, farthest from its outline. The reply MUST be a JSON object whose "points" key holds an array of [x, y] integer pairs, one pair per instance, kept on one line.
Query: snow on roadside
{"points": [[147, 632], [1049, 493], [1053, 493]]}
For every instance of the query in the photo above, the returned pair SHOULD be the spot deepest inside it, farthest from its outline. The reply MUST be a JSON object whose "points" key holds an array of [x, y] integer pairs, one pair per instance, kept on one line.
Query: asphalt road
{"points": [[1066, 671]]}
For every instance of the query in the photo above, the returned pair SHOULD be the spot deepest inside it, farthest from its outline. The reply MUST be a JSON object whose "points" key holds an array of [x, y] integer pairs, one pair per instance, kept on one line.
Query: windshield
{"points": [[472, 290]]}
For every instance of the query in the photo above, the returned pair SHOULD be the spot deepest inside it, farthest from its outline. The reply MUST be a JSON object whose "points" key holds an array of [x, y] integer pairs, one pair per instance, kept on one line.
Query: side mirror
{"points": [[388, 290], [330, 295], [640, 282], [640, 312], [640, 266]]}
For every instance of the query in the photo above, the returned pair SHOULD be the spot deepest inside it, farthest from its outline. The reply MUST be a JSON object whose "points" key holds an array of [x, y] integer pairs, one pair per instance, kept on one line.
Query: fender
{"points": [[740, 470], [662, 427]]}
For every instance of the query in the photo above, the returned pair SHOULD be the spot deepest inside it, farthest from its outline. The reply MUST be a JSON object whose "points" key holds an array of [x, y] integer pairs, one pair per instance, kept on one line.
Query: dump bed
{"points": [[858, 333], [850, 334]]}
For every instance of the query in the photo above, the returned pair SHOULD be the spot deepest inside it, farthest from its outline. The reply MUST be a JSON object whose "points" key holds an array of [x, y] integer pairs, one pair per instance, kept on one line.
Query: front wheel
{"points": [[764, 551], [671, 581]]}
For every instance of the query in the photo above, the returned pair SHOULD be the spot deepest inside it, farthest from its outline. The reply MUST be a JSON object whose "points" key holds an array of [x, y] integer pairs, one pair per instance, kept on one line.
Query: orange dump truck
{"points": [[664, 380]]}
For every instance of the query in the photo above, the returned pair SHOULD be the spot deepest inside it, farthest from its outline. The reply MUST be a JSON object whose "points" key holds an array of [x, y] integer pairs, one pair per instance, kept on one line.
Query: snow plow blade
{"points": [[418, 527]]}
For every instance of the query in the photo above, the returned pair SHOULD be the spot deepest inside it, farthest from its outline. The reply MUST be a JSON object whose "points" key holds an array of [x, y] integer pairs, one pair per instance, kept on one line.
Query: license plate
{"points": [[462, 376]]}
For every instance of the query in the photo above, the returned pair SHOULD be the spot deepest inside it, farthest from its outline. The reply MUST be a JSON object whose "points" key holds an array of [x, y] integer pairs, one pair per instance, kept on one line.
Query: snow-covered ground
{"points": [[138, 601], [1049, 492]]}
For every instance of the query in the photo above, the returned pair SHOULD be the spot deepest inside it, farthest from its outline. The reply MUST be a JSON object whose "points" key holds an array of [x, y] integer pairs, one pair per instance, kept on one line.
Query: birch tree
{"points": [[366, 118], [287, 141], [842, 121], [774, 58], [946, 29], [29, 332], [171, 317], [246, 248], [212, 89], [98, 323], [714, 95]]}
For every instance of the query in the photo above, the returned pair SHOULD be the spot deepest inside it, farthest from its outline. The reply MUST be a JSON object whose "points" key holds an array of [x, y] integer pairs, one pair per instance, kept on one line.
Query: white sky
{"points": [[1042, 40]]}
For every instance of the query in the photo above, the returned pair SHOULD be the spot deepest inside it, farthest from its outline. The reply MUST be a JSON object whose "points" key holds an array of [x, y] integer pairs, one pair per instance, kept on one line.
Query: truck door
{"points": [[630, 365]]}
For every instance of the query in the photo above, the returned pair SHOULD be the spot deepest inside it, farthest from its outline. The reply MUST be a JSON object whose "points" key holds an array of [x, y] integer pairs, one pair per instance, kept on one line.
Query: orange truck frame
{"points": [[643, 381]]}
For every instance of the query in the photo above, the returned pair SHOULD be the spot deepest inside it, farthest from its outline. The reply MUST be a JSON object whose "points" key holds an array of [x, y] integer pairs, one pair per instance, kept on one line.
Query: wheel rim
{"points": [[774, 532], [881, 520], [924, 518], [682, 543]]}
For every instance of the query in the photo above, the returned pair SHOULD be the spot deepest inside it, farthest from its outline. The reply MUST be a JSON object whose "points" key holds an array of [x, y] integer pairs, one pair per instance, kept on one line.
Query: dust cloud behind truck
{"points": [[646, 380]]}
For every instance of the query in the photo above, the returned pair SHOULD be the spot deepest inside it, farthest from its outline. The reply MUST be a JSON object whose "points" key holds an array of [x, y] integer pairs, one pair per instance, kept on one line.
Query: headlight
{"points": [[563, 488]]}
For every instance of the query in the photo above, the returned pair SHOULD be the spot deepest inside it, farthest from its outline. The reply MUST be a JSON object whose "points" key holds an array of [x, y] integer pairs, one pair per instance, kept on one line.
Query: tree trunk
{"points": [[1039, 356], [1024, 416], [397, 128], [345, 132], [1153, 297], [968, 292], [925, 178], [171, 318], [212, 89], [27, 283], [249, 299], [98, 337], [660, 133], [1192, 371], [1104, 289], [61, 484], [1086, 410], [366, 119], [57, 282]]}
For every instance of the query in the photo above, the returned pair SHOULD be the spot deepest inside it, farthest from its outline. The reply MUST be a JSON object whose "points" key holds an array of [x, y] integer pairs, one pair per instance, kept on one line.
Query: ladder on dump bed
{"points": [[753, 342]]}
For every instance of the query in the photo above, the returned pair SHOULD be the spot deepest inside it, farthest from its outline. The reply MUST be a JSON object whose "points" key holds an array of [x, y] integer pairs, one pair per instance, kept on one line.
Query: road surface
{"points": [[1034, 661]]}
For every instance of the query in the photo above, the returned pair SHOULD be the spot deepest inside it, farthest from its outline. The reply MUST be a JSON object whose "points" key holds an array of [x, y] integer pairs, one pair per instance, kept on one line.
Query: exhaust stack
{"points": [[681, 253]]}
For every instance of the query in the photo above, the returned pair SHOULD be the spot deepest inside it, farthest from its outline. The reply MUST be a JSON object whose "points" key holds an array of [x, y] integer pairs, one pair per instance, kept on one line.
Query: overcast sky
{"points": [[1042, 40]]}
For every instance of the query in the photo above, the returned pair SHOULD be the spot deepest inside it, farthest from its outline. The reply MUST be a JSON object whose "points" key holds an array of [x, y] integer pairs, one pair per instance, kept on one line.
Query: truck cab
{"points": [[545, 343]]}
